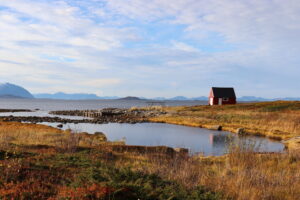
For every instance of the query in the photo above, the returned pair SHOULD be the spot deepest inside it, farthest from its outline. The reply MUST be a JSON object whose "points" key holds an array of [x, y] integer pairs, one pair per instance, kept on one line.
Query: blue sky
{"points": [[151, 48]]}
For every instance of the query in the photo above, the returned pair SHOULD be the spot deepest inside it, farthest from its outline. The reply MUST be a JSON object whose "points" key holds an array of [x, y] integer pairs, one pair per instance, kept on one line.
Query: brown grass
{"points": [[242, 174], [29, 134], [35, 134], [277, 120]]}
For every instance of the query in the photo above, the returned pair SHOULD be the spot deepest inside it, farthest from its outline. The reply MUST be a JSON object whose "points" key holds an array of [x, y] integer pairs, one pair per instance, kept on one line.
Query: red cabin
{"points": [[221, 96]]}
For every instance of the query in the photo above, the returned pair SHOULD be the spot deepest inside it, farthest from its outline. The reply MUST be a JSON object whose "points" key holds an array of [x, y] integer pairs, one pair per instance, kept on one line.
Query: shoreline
{"points": [[173, 115]]}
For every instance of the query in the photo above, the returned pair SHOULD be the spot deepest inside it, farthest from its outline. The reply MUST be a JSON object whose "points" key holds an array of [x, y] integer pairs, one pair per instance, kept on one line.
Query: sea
{"points": [[51, 104], [196, 140]]}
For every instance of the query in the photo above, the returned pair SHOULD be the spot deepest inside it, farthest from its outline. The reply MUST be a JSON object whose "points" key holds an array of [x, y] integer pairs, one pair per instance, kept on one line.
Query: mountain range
{"points": [[8, 90], [81, 96]]}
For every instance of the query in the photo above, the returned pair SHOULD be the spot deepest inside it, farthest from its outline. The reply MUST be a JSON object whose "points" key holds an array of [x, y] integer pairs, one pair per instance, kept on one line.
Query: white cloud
{"points": [[102, 43], [183, 47], [100, 82]]}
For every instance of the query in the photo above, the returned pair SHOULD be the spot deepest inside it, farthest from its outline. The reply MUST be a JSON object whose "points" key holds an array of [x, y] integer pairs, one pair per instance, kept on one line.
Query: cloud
{"points": [[101, 82], [183, 46], [98, 44]]}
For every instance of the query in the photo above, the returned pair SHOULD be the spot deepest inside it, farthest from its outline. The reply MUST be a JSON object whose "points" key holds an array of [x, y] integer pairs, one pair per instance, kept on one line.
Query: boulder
{"points": [[182, 151], [215, 127], [100, 136], [241, 131]]}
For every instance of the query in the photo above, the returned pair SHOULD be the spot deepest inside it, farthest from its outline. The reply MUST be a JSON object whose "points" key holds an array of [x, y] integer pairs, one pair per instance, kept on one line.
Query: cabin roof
{"points": [[220, 92]]}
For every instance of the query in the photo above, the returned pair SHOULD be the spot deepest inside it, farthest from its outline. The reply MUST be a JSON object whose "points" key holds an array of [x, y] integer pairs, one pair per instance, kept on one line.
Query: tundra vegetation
{"points": [[277, 120], [40, 162]]}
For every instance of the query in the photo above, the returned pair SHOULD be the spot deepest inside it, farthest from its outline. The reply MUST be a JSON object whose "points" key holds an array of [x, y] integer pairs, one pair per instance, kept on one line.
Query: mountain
{"points": [[8, 90], [252, 98], [75, 96], [289, 99], [179, 98], [159, 98], [202, 98]]}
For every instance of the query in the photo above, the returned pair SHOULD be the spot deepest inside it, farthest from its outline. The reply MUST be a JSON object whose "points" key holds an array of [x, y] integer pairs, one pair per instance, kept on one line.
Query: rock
{"points": [[215, 127], [241, 131], [60, 125], [100, 136], [182, 151]]}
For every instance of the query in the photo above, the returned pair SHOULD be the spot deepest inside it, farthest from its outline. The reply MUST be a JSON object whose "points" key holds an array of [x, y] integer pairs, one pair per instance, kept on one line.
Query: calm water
{"points": [[150, 134], [40, 114], [195, 139], [46, 105], [49, 105]]}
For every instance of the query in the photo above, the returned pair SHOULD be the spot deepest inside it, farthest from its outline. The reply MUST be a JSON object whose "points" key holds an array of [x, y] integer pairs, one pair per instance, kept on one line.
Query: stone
{"points": [[99, 134], [215, 127], [182, 151], [241, 131]]}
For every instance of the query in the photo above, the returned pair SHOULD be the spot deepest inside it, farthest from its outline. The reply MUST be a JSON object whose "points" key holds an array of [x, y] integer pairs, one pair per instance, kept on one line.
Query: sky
{"points": [[151, 48]]}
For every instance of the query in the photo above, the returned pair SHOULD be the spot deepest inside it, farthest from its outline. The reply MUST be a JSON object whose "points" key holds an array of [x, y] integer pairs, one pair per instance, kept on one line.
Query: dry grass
{"points": [[29, 134], [242, 174], [35, 134], [278, 120], [148, 108]]}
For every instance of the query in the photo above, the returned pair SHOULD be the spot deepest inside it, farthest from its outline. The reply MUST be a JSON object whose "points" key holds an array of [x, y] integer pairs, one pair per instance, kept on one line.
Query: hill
{"points": [[8, 90], [130, 98]]}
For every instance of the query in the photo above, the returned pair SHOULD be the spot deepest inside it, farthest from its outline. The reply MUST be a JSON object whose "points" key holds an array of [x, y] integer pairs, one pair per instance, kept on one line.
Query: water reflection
{"points": [[219, 140]]}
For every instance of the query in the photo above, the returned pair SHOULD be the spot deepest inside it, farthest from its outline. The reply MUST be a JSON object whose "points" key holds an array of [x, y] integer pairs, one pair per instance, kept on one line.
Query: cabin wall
{"points": [[216, 101], [230, 101]]}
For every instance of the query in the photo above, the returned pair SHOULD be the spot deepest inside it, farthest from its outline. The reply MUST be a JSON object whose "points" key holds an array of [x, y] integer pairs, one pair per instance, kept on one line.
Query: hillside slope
{"points": [[8, 90]]}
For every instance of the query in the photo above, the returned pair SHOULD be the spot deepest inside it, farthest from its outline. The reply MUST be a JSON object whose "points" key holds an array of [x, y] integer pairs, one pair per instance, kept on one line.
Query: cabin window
{"points": [[225, 99]]}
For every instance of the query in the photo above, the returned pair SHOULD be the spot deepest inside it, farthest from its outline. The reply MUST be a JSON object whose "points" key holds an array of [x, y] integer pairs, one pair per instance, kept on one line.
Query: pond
{"points": [[197, 140]]}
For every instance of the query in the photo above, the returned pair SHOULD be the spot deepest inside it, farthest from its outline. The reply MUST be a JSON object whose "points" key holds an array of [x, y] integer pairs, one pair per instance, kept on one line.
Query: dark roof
{"points": [[220, 92]]}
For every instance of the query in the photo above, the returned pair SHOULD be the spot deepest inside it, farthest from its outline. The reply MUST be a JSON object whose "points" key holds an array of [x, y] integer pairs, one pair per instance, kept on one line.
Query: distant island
{"points": [[130, 98]]}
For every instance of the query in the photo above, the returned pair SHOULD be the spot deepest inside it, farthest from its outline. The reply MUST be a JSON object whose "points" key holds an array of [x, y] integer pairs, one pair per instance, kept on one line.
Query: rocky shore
{"points": [[110, 112], [107, 115], [14, 110]]}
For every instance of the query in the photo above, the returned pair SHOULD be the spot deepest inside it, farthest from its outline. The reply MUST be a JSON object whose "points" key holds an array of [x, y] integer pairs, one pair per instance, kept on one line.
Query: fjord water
{"points": [[50, 104], [197, 140], [205, 141]]}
